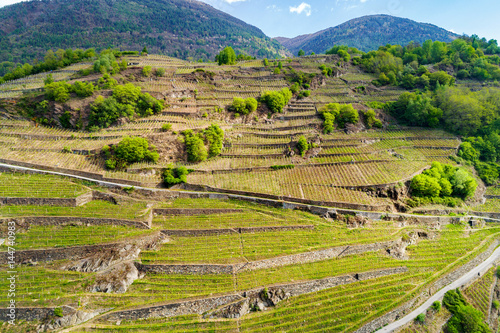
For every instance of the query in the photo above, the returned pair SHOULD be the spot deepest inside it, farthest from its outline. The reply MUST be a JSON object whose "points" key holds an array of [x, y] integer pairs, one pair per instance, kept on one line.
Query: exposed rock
{"points": [[398, 250], [354, 221], [117, 279], [120, 252], [70, 317]]}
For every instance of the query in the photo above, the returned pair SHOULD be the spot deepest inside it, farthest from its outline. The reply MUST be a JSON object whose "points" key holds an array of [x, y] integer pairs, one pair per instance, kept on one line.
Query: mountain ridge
{"points": [[367, 33], [179, 28]]}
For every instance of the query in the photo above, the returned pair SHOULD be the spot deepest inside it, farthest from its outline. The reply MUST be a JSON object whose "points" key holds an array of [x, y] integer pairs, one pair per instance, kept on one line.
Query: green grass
{"points": [[38, 186], [233, 248], [61, 236], [96, 209]]}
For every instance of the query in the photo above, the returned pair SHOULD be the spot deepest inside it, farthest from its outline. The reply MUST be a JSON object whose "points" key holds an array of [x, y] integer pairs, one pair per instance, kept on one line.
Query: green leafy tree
{"points": [[215, 137], [135, 149], [146, 71], [195, 147], [226, 56], [58, 91], [302, 145], [301, 53], [173, 176]]}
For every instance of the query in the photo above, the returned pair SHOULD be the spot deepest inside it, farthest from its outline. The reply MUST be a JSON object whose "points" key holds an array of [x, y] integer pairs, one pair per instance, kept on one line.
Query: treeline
{"points": [[52, 61], [465, 57], [473, 114]]}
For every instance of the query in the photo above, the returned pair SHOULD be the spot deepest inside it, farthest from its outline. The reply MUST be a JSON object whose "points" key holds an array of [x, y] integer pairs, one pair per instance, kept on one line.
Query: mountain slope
{"points": [[181, 28], [368, 33]]}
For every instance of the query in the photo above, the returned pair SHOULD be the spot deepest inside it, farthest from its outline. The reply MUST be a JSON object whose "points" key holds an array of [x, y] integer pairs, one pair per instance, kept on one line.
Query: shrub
{"points": [[276, 100], [329, 123], [496, 304], [371, 120], [58, 91], [215, 137], [146, 71], [436, 306], [420, 318], [173, 176], [58, 312], [135, 149], [302, 145], [83, 89], [196, 150], [160, 72], [226, 56], [166, 127], [67, 149]]}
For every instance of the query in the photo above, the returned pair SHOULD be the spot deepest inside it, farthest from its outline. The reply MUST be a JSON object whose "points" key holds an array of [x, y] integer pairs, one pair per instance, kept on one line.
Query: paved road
{"points": [[437, 296]]}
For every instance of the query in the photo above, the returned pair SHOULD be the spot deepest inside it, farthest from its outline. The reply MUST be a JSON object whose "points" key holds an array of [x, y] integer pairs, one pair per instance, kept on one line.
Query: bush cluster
{"points": [[173, 176], [341, 114], [213, 136], [443, 180], [107, 62], [276, 100], [126, 101], [129, 150], [244, 106], [465, 317], [60, 91], [371, 120]]}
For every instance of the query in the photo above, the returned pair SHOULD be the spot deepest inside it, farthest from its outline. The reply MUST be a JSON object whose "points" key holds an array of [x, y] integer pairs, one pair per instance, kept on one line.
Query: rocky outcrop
{"points": [[237, 305], [398, 250], [116, 253], [71, 317], [117, 279]]}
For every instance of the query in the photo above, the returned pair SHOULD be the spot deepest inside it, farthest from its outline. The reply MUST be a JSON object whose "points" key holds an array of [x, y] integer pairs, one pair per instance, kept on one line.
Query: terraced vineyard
{"points": [[260, 239]]}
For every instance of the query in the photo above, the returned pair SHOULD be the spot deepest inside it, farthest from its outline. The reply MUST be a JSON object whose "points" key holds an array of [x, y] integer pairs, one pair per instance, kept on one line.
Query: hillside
{"points": [[368, 33], [180, 28]]}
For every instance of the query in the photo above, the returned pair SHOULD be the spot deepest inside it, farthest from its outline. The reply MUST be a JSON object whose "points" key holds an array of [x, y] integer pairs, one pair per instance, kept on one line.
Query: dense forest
{"points": [[183, 29]]}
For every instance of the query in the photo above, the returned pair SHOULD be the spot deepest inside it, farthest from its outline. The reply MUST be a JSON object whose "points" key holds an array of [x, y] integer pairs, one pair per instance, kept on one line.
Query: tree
{"points": [[146, 71], [226, 56], [58, 91], [425, 186], [135, 149], [347, 115], [215, 138], [145, 50], [302, 145], [196, 150], [172, 176], [301, 53]]}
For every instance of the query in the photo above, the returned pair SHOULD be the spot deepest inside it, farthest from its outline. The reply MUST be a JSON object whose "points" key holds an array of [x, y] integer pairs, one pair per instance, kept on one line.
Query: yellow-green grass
{"points": [[491, 205], [94, 209], [231, 248], [38, 237], [38, 186], [478, 293]]}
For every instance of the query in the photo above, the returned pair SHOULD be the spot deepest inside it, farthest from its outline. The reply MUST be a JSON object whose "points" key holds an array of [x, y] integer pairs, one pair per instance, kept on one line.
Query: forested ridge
{"points": [[178, 28], [368, 33]]}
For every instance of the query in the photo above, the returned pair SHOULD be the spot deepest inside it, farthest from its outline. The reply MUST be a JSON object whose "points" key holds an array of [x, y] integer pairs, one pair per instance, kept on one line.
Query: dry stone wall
{"points": [[294, 259], [73, 220], [232, 306], [66, 202]]}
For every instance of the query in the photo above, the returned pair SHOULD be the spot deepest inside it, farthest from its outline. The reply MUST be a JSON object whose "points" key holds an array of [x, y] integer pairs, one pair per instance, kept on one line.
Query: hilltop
{"points": [[180, 28], [368, 33]]}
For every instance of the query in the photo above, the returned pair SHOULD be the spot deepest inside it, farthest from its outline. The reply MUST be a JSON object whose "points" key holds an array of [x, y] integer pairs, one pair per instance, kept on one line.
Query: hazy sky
{"points": [[290, 18]]}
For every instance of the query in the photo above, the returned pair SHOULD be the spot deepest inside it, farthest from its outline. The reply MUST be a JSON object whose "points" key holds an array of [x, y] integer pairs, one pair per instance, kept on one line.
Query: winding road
{"points": [[479, 269]]}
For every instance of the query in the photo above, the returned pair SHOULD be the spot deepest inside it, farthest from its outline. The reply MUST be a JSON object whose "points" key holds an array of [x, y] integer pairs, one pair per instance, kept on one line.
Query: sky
{"points": [[290, 18]]}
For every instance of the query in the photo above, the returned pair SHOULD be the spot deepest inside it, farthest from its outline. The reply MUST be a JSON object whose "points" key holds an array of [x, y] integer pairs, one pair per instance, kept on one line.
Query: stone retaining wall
{"points": [[293, 259], [65, 202], [28, 314], [69, 220], [239, 230], [77, 252], [202, 306], [199, 306]]}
